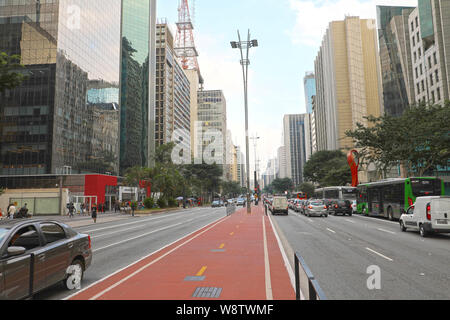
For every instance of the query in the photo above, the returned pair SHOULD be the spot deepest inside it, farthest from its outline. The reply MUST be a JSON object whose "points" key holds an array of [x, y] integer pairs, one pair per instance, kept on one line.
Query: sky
{"points": [[289, 33]]}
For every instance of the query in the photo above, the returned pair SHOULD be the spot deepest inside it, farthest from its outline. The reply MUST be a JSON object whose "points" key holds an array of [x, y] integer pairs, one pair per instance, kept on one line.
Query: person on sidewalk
{"points": [[133, 207], [94, 212], [71, 209], [11, 211]]}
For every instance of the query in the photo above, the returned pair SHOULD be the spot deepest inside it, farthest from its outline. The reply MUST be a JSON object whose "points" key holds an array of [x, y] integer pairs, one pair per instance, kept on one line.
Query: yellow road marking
{"points": [[222, 246], [231, 233], [202, 270]]}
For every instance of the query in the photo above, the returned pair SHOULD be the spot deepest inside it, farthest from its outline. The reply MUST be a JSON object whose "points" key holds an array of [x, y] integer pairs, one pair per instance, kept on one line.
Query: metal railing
{"points": [[305, 281], [231, 208]]}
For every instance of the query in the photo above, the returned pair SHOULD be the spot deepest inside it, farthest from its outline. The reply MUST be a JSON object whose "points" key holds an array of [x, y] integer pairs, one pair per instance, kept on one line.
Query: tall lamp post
{"points": [[245, 63]]}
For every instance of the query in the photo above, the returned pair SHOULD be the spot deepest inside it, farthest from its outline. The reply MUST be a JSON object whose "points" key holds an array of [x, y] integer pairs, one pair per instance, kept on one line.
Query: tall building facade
{"points": [[241, 167], [137, 89], [309, 85], [294, 142], [172, 108], [211, 130], [347, 80], [429, 26], [281, 163], [73, 79], [395, 64]]}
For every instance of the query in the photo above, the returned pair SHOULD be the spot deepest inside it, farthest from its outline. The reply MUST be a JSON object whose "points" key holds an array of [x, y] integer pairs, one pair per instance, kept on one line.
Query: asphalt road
{"points": [[339, 250], [117, 244]]}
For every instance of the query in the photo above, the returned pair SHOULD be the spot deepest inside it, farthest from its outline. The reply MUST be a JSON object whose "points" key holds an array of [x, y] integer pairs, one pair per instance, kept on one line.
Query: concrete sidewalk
{"points": [[235, 258]]}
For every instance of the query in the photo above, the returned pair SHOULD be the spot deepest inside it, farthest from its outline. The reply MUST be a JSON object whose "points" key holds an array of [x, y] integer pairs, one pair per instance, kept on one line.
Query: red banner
{"points": [[353, 162]]}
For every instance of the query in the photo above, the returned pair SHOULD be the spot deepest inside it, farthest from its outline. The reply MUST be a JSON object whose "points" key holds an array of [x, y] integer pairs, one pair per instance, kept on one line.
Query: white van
{"points": [[280, 204], [428, 215]]}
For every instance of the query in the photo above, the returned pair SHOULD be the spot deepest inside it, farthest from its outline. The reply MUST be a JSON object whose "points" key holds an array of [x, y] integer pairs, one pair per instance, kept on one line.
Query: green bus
{"points": [[388, 198]]}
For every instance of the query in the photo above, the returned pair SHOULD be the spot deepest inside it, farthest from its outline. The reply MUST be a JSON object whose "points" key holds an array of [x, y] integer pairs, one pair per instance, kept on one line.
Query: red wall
{"points": [[94, 185]]}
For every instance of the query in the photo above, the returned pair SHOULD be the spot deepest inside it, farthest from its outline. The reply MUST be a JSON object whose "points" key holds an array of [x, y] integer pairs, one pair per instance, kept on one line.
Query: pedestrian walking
{"points": [[11, 211], [94, 212], [133, 207], [82, 209], [71, 209]]}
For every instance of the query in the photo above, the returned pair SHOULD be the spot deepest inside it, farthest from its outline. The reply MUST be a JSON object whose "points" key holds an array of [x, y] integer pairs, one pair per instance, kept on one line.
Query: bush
{"points": [[172, 203], [162, 203], [149, 203]]}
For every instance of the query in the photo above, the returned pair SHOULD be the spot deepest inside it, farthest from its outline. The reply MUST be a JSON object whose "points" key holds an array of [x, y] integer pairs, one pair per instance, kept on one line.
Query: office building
{"points": [[172, 108], [281, 163], [395, 58], [429, 26], [294, 142], [309, 85], [211, 130], [137, 89], [47, 122], [347, 81]]}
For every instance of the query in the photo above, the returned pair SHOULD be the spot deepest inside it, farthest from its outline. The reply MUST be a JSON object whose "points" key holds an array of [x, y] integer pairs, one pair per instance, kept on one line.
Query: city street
{"points": [[339, 249], [117, 244]]}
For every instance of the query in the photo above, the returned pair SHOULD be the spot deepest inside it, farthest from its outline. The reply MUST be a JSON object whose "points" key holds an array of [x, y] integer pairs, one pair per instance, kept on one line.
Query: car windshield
{"points": [[316, 203], [426, 187], [3, 233]]}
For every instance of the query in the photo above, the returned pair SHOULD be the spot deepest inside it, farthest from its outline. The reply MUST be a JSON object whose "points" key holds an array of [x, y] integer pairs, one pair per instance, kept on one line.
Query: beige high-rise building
{"points": [[348, 81]]}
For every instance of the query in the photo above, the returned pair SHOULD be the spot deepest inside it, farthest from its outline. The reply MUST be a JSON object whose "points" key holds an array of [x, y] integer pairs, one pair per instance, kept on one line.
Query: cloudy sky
{"points": [[289, 34]]}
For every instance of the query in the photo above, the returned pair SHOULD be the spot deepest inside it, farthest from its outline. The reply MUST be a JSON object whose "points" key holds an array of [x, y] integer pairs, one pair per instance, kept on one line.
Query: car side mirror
{"points": [[16, 251]]}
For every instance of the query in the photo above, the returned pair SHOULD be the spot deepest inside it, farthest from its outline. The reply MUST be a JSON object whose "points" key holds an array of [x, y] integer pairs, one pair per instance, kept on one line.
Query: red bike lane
{"points": [[234, 258]]}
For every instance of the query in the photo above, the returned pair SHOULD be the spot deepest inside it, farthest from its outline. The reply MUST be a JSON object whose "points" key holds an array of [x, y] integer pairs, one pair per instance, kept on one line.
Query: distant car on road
{"points": [[428, 215], [241, 202], [36, 254], [215, 204], [340, 207], [315, 208]]}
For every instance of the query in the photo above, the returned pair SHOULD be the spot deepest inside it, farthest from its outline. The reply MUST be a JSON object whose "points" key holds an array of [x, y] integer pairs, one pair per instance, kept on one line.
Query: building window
{"points": [[438, 91], [418, 88], [437, 75], [432, 96], [417, 36], [435, 58], [417, 73], [417, 22], [412, 26], [414, 41], [429, 62], [423, 86], [421, 69], [415, 56], [420, 52], [431, 79]]}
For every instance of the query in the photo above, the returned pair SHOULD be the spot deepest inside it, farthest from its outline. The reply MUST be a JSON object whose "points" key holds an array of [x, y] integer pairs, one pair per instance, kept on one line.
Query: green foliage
{"points": [[419, 139], [231, 188], [328, 168], [307, 187], [162, 203], [172, 203], [149, 203], [281, 185], [10, 75]]}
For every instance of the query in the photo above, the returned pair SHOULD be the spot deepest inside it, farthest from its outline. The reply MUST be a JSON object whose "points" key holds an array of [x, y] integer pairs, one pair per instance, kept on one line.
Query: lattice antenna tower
{"points": [[184, 41]]}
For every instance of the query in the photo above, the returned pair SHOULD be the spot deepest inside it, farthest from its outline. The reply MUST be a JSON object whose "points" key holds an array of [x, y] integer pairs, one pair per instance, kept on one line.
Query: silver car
{"points": [[36, 254], [316, 208]]}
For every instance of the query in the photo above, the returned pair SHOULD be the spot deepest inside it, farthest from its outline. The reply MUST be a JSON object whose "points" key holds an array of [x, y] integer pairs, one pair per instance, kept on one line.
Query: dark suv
{"points": [[343, 207]]}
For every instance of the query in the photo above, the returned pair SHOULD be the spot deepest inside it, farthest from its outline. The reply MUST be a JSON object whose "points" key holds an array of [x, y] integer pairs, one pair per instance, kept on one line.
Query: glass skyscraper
{"points": [[137, 74], [71, 53]]}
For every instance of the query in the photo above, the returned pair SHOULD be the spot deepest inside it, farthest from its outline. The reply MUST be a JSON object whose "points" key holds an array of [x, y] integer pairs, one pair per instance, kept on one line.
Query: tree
{"points": [[419, 139], [231, 188], [282, 185], [10, 75], [308, 188], [328, 168]]}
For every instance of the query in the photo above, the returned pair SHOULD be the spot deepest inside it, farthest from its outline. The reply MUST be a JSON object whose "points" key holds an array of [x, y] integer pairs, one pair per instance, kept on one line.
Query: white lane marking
{"points": [[381, 255], [386, 231], [152, 262], [137, 237], [269, 295], [310, 220], [375, 219], [286, 260], [215, 222], [331, 230], [350, 221]]}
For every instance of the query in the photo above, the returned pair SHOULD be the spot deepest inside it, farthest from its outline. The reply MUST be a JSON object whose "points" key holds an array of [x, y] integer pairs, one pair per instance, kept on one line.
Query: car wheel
{"points": [[74, 274], [402, 226], [423, 232], [326, 216], [350, 214]]}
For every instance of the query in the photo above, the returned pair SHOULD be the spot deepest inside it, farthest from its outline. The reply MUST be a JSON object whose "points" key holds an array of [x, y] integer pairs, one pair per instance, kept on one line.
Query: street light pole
{"points": [[245, 63]]}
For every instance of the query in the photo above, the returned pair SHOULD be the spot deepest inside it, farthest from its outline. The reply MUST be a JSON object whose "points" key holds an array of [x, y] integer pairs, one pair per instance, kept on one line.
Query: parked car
{"points": [[315, 208], [215, 204], [36, 254], [428, 215], [343, 207], [280, 205]]}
